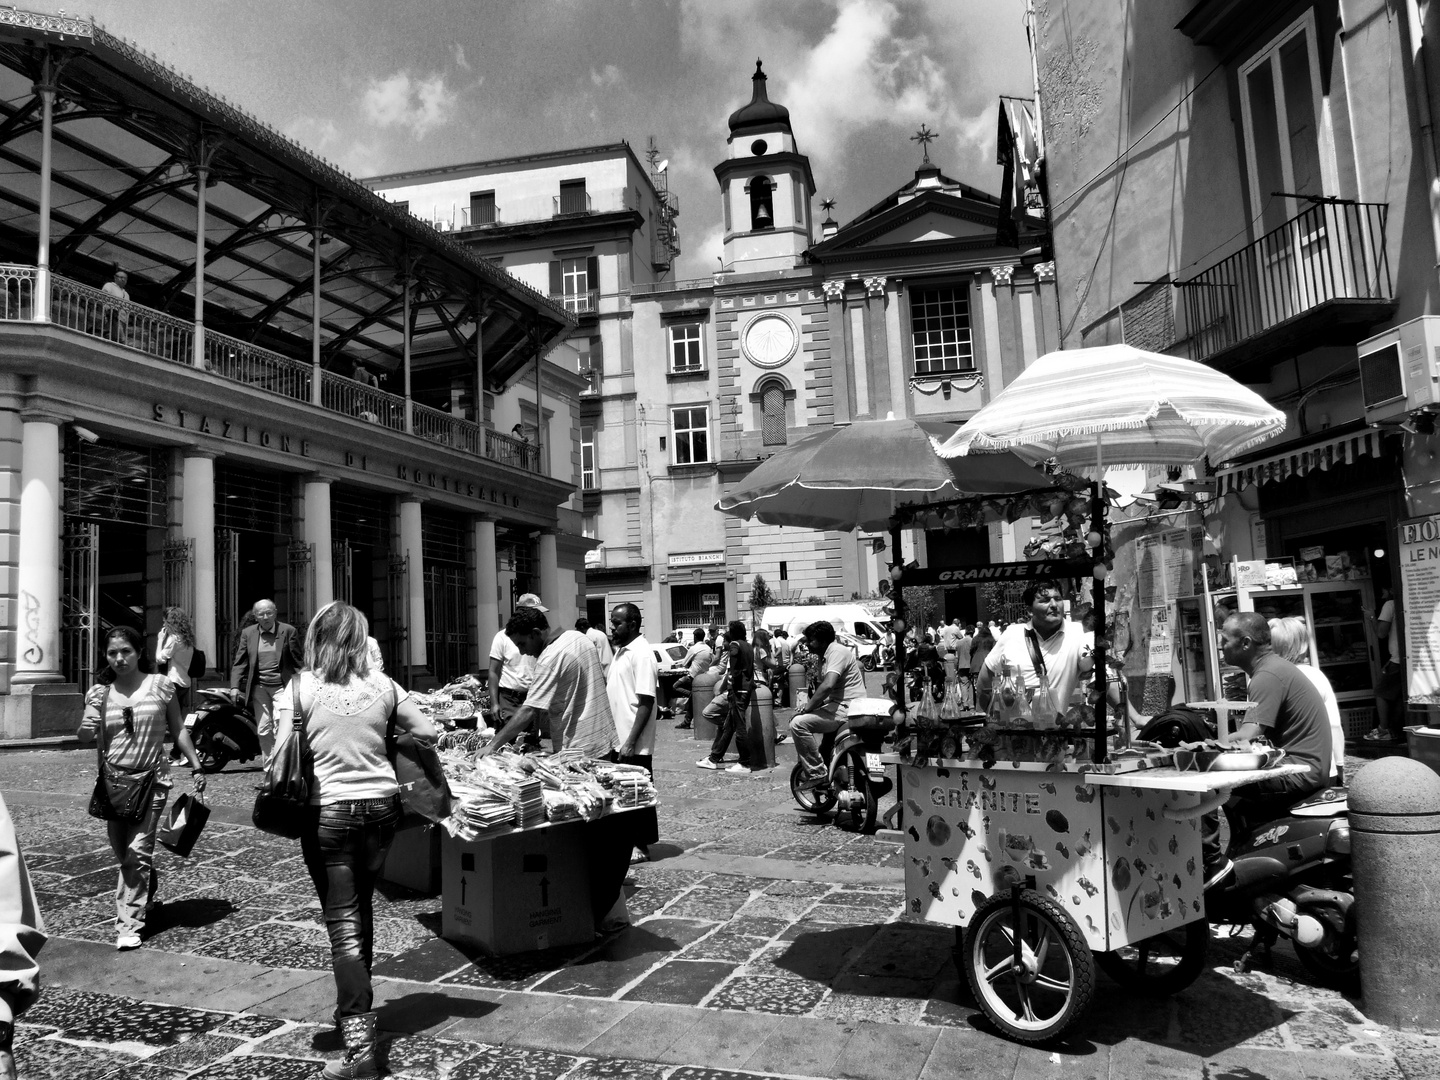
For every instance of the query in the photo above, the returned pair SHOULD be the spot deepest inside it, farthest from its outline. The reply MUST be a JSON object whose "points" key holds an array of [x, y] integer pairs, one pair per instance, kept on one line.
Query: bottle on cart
{"points": [[950, 706], [1042, 706]]}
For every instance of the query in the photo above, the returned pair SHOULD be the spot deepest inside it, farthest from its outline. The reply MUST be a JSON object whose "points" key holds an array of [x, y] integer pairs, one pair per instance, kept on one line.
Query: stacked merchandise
{"points": [[631, 785], [463, 703]]}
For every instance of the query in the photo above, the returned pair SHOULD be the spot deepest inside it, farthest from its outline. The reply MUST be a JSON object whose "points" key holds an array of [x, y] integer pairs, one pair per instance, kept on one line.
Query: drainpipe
{"points": [[1416, 28]]}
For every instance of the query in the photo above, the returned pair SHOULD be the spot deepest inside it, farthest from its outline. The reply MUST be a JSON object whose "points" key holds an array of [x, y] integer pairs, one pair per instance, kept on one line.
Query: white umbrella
{"points": [[1146, 407]]}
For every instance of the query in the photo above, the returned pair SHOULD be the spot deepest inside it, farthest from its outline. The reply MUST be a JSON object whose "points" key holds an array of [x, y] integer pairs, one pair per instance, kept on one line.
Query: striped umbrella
{"points": [[1121, 405], [856, 476]]}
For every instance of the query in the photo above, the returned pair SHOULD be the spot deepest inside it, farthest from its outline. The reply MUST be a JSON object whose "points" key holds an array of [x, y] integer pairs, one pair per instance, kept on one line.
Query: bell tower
{"points": [[765, 187]]}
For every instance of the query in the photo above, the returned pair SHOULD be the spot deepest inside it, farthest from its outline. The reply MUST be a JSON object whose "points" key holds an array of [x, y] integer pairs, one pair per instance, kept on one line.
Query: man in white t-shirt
{"points": [[632, 687], [600, 641], [1064, 647], [511, 670], [841, 681]]}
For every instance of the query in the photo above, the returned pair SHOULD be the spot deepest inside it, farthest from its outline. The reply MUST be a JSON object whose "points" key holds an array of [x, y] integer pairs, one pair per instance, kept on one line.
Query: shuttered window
{"points": [[772, 415]]}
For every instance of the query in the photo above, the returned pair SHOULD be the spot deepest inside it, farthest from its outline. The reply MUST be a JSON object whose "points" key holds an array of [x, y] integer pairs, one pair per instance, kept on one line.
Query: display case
{"points": [[1342, 641]]}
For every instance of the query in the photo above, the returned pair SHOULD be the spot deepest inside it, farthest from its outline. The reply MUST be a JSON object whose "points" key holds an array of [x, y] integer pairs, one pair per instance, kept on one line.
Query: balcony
{"points": [[100, 315], [1323, 277], [579, 303]]}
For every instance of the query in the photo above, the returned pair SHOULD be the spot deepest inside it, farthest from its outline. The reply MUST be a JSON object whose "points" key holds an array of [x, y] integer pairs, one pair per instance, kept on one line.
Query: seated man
{"points": [[1288, 711], [842, 681], [697, 661]]}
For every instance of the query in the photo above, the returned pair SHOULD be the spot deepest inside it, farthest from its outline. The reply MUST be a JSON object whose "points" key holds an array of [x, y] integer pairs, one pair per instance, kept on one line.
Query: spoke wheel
{"points": [[213, 754], [1163, 964], [811, 800], [855, 794], [1052, 984]]}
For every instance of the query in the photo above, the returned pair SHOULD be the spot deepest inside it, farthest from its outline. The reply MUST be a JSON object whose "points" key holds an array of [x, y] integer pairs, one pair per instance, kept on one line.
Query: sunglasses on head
{"points": [[127, 713]]}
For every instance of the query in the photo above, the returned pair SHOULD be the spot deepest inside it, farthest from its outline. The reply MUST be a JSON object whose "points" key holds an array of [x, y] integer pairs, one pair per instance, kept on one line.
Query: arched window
{"points": [[762, 209], [772, 414]]}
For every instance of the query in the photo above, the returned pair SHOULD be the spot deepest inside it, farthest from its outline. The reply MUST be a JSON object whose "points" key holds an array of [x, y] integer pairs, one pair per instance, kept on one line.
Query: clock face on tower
{"points": [[770, 340]]}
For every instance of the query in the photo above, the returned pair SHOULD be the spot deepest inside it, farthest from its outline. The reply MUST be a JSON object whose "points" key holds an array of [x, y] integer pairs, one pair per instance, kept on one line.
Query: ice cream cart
{"points": [[1046, 869]]}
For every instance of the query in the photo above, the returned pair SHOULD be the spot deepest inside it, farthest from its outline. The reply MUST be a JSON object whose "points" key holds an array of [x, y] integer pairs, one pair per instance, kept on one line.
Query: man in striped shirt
{"points": [[567, 695]]}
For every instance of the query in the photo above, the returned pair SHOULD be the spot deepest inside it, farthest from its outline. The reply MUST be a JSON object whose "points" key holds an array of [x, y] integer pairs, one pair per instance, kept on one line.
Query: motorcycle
{"points": [[1292, 878], [224, 730], [855, 782]]}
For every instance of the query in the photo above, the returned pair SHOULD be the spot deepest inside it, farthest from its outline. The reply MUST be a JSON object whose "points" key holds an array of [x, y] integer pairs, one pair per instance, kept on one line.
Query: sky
{"points": [[378, 86]]}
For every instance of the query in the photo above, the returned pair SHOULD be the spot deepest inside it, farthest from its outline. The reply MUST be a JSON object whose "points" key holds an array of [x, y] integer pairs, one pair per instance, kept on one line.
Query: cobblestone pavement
{"points": [[762, 941]]}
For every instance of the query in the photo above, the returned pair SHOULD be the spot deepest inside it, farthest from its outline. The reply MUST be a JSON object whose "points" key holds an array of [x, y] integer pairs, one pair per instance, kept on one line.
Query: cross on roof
{"points": [[924, 137]]}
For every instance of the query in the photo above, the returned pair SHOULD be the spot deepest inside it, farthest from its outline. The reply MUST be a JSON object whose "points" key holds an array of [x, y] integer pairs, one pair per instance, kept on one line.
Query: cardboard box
{"points": [[517, 891], [414, 859]]}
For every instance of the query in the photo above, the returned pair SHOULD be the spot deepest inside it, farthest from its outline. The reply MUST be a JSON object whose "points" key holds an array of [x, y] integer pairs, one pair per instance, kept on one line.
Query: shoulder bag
{"points": [[197, 664], [424, 791], [282, 802], [120, 794]]}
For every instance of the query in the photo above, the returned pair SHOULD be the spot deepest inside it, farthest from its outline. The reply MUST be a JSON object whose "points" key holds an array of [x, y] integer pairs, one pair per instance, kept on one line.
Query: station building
{"points": [[301, 392]]}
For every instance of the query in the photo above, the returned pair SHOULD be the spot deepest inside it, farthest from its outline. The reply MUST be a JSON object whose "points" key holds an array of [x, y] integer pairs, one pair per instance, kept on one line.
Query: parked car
{"points": [[668, 657]]}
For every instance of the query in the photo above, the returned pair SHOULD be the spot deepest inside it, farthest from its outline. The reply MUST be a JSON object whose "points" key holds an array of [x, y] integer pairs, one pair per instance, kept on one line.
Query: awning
{"points": [[1341, 450]]}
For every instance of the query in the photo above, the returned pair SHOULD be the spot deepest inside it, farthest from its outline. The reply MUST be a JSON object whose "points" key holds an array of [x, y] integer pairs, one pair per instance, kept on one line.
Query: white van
{"points": [[853, 621]]}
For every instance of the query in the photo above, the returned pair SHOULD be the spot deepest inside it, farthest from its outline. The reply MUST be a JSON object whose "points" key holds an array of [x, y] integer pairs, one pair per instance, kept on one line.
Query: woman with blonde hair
{"points": [[1290, 640], [346, 706], [174, 649]]}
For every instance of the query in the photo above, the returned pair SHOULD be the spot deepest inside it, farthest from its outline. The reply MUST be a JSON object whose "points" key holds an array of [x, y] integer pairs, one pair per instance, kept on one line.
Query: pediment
{"points": [[932, 225]]}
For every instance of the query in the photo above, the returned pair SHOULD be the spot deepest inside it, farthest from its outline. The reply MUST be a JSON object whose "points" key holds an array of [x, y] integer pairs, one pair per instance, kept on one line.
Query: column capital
{"points": [[1045, 271], [416, 499], [317, 478], [44, 416], [834, 291], [1003, 273], [197, 452], [875, 286]]}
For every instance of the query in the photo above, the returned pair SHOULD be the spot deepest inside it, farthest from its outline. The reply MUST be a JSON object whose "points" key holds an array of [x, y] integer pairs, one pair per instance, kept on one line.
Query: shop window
{"points": [[1280, 97], [692, 435], [587, 457], [940, 330], [686, 348], [482, 208]]}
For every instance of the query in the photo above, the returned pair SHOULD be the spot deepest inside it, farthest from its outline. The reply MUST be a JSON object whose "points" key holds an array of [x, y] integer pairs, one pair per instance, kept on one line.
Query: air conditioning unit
{"points": [[1400, 370]]}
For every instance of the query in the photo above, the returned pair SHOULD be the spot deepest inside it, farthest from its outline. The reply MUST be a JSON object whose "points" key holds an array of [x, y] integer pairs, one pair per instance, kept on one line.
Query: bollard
{"points": [[701, 693], [1395, 846], [760, 728], [796, 676]]}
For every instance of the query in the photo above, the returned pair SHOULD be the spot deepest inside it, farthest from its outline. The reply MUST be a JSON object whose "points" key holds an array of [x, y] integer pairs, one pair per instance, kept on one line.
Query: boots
{"points": [[359, 1060]]}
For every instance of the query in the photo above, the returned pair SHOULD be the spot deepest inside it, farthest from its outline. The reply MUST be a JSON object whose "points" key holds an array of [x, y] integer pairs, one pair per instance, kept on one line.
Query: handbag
{"points": [[424, 791], [120, 794], [282, 801], [183, 823], [197, 664]]}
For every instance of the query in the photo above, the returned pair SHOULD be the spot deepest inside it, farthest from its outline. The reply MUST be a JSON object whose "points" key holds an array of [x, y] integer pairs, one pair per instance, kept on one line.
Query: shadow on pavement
{"points": [[191, 913], [427, 1009]]}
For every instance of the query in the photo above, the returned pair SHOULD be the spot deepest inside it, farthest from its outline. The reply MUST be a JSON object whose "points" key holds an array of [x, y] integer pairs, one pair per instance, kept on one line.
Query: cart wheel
{"points": [[811, 800], [1050, 988], [855, 794], [1164, 964]]}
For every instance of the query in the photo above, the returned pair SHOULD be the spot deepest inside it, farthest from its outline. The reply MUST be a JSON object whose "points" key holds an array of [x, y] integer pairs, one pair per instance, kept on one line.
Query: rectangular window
{"points": [[576, 283], [482, 208], [692, 435], [587, 457], [686, 353], [940, 329], [402, 204], [573, 199], [784, 570]]}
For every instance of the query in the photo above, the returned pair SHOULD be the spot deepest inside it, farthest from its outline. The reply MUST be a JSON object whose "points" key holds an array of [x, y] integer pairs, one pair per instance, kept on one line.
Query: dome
{"points": [[761, 112]]}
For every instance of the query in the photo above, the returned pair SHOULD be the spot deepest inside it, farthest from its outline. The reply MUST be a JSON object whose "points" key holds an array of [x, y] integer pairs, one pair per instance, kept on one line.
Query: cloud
{"points": [[418, 105], [460, 61], [609, 75]]}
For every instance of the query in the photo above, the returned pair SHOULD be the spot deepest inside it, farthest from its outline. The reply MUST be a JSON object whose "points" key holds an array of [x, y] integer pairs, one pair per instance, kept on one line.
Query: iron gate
{"points": [[299, 583], [179, 580], [340, 571], [447, 624], [398, 643], [80, 600], [227, 595]]}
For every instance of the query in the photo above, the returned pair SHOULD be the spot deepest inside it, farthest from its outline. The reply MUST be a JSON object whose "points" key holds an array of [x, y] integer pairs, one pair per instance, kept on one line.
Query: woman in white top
{"points": [[174, 649], [1290, 640], [355, 805]]}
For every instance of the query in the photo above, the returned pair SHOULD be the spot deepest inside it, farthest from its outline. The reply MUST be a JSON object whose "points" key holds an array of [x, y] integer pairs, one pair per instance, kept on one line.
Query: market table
{"points": [[518, 889], [1108, 859]]}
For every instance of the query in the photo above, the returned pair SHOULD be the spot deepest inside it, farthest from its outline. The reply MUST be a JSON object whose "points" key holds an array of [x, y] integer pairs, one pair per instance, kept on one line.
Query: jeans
{"points": [[134, 845], [732, 715], [806, 729], [1251, 806], [344, 850]]}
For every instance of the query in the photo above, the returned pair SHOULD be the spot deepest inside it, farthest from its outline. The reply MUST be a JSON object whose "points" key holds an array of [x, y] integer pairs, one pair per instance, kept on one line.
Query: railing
{"points": [[17, 304], [1334, 250], [509, 450], [571, 202], [241, 362], [448, 430], [648, 288], [99, 314], [581, 303], [351, 398]]}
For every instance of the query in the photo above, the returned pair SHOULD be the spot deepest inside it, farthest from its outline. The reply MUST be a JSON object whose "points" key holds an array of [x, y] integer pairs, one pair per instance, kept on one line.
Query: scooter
{"points": [[855, 781], [224, 730], [1292, 878]]}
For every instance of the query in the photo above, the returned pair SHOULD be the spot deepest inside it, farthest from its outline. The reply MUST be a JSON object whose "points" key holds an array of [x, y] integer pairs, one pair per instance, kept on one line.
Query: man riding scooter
{"points": [[842, 680], [1286, 709]]}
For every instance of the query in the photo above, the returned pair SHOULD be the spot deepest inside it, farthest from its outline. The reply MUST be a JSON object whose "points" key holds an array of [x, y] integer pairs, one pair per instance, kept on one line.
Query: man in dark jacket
{"points": [[266, 656]]}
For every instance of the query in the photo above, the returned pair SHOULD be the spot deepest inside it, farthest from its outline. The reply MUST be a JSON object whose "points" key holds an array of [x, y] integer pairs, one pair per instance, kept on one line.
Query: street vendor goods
{"points": [[507, 789]]}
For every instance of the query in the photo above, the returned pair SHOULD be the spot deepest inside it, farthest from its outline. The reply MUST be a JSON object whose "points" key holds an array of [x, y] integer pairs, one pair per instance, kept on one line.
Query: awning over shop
{"points": [[1298, 461]]}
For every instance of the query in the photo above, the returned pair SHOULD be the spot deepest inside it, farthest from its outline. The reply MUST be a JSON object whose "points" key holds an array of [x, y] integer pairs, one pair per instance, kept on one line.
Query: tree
{"points": [[919, 606], [760, 598]]}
